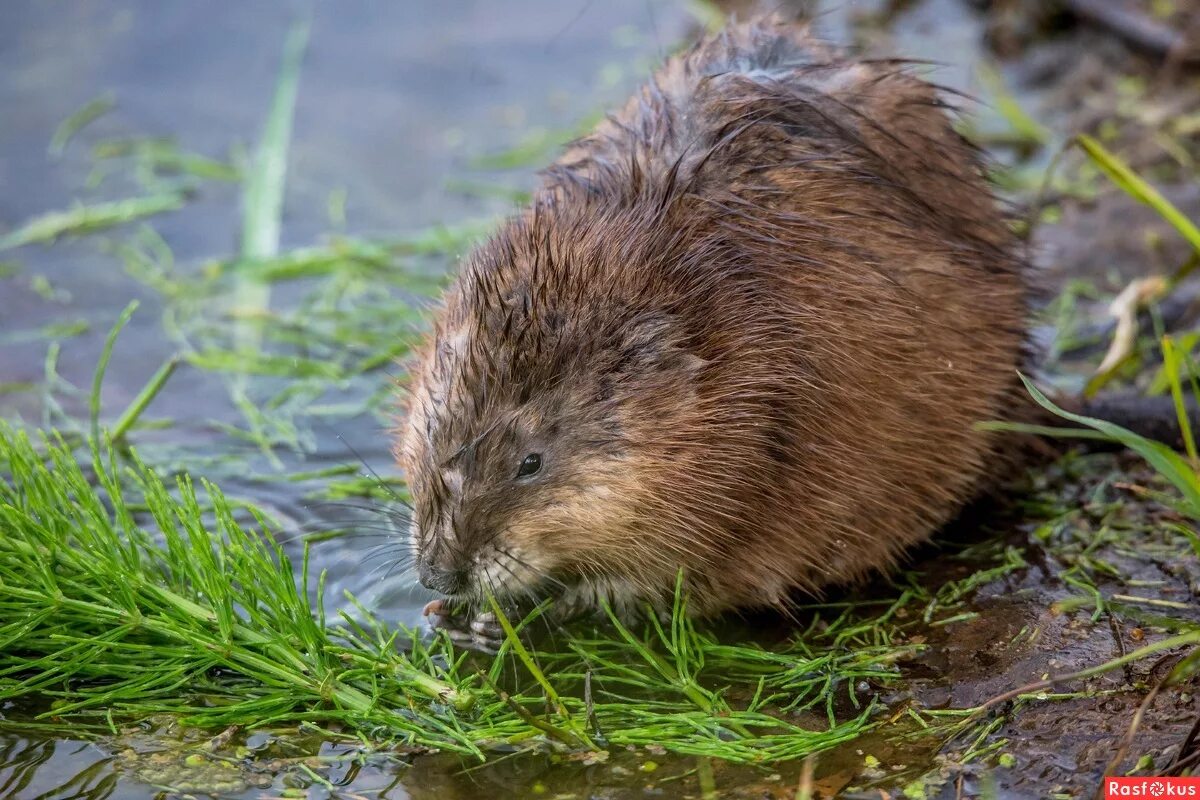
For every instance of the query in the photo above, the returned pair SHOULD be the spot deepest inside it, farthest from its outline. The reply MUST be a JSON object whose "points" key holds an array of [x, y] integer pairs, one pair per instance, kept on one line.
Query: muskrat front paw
{"points": [[480, 632]]}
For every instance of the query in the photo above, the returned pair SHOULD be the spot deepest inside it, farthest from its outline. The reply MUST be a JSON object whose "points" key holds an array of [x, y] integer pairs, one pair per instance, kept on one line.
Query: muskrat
{"points": [[745, 330]]}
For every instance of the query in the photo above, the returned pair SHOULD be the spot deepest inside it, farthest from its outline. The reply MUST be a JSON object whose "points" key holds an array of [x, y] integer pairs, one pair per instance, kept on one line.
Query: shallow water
{"points": [[395, 100]]}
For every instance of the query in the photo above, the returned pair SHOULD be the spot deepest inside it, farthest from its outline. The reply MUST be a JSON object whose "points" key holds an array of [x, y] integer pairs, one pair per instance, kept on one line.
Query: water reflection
{"points": [[55, 770]]}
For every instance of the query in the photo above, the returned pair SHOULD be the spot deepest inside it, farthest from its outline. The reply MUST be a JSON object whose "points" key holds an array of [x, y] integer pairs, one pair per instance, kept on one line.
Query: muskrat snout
{"points": [[439, 572], [448, 581]]}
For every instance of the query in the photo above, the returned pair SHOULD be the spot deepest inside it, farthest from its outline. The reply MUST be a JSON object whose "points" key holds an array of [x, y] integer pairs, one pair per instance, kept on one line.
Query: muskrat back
{"points": [[745, 329]]}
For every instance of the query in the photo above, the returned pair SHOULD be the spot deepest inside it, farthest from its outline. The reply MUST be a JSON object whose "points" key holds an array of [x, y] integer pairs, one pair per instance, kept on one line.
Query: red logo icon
{"points": [[1151, 787]]}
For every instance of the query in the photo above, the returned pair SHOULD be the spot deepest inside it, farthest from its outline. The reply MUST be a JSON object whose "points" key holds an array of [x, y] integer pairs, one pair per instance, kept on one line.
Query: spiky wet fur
{"points": [[749, 322]]}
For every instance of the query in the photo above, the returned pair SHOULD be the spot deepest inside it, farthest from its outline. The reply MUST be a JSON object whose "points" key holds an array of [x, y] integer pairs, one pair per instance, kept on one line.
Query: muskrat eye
{"points": [[530, 465]]}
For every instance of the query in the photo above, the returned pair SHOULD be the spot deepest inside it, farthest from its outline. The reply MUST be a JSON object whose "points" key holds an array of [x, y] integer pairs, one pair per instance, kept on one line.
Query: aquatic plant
{"points": [[124, 596]]}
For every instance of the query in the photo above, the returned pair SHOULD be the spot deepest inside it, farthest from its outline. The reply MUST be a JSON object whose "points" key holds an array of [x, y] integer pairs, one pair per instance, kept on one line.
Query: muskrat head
{"points": [[525, 438]]}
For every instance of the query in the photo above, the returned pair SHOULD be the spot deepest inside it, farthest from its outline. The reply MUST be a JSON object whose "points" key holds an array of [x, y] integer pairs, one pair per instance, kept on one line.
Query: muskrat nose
{"points": [[441, 579]]}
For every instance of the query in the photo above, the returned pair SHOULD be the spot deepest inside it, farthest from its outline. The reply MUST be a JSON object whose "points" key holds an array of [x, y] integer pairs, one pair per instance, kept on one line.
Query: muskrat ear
{"points": [[652, 344]]}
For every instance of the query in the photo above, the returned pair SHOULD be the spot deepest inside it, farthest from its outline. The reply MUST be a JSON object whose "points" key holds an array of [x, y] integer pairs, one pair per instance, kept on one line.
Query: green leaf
{"points": [[1163, 459], [1133, 185]]}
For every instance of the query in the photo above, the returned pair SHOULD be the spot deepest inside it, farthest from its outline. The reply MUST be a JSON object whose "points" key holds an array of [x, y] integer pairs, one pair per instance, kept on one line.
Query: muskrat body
{"points": [[745, 330]]}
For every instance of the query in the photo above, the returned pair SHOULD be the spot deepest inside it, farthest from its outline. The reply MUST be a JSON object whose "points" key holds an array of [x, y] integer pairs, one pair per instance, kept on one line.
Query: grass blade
{"points": [[144, 397], [262, 215], [102, 366], [263, 194], [1163, 459], [84, 219], [1172, 364], [89, 112], [1133, 185]]}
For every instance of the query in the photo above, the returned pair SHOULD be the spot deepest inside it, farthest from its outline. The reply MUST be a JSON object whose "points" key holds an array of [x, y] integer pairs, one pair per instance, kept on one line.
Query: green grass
{"points": [[262, 219], [156, 163], [124, 596], [88, 218], [86, 114]]}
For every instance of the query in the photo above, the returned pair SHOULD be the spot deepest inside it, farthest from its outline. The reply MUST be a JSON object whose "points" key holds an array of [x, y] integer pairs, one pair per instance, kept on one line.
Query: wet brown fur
{"points": [[749, 322]]}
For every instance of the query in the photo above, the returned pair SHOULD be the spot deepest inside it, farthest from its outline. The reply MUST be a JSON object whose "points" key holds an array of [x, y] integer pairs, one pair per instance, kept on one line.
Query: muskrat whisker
{"points": [[348, 523], [398, 515], [374, 551], [406, 575], [394, 546], [391, 569], [380, 530], [346, 532], [538, 573], [358, 558], [370, 508], [519, 585], [395, 496]]}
